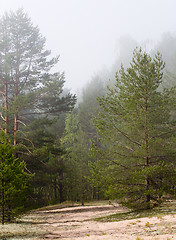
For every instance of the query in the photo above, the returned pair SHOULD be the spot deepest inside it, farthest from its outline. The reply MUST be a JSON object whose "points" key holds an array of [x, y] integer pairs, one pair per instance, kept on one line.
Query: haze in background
{"points": [[85, 33]]}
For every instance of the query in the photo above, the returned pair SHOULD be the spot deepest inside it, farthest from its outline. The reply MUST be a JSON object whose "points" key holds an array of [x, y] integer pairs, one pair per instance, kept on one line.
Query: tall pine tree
{"points": [[31, 92], [27, 86], [136, 146]]}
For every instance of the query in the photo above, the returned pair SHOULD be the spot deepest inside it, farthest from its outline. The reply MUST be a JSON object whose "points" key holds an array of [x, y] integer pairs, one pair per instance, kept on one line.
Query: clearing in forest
{"points": [[94, 222]]}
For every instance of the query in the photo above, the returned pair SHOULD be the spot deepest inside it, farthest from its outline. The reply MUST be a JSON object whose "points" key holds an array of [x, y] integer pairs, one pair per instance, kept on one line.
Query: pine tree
{"points": [[13, 181], [136, 146], [31, 93], [76, 147], [27, 86]]}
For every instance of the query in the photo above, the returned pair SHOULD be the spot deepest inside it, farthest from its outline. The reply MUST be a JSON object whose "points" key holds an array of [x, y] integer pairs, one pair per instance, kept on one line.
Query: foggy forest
{"points": [[113, 141]]}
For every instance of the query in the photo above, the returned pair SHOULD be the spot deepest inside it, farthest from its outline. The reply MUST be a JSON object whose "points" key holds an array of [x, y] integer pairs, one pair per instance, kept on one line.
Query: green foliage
{"points": [[76, 146], [28, 87], [45, 161], [87, 110], [32, 98], [136, 145], [13, 181]]}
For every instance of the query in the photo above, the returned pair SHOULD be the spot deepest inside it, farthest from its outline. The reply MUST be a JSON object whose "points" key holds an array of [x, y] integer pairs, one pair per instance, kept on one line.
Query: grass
{"points": [[19, 231], [26, 227], [168, 207]]}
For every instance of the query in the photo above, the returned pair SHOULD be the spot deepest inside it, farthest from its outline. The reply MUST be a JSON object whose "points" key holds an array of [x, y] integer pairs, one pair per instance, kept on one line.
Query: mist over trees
{"points": [[103, 163], [117, 141], [166, 46]]}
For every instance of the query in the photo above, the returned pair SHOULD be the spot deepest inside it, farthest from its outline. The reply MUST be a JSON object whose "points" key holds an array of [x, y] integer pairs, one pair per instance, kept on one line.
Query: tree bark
{"points": [[6, 106], [3, 203], [147, 182], [61, 187], [15, 128], [82, 189], [15, 97]]}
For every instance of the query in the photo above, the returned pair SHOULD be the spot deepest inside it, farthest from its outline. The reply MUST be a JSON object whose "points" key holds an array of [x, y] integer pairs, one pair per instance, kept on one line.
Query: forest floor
{"points": [[94, 222]]}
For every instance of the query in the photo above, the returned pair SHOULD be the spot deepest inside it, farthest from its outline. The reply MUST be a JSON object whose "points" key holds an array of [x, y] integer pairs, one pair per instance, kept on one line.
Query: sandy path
{"points": [[74, 224]]}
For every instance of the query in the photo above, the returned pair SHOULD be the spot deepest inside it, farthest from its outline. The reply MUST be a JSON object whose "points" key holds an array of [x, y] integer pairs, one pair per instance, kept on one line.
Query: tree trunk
{"points": [[147, 182], [6, 106], [98, 193], [9, 213], [16, 115], [82, 189], [15, 128], [159, 188], [3, 203], [55, 190], [16, 82], [61, 191], [61, 177]]}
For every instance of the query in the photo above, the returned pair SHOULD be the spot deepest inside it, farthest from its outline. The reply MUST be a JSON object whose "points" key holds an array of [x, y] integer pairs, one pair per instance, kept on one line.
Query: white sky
{"points": [[85, 32]]}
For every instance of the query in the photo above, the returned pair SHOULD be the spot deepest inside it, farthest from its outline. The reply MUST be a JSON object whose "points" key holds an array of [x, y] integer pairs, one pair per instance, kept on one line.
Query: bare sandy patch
{"points": [[77, 223]]}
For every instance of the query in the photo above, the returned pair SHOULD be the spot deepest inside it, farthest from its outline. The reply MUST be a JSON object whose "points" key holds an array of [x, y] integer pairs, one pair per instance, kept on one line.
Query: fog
{"points": [[86, 33]]}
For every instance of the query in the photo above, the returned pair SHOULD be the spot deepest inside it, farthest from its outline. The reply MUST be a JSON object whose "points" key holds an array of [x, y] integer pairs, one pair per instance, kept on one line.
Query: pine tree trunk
{"points": [[9, 213], [159, 188], [147, 182], [93, 194], [3, 203], [15, 97], [98, 193], [61, 192], [6, 106], [15, 128], [55, 190], [82, 189]]}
